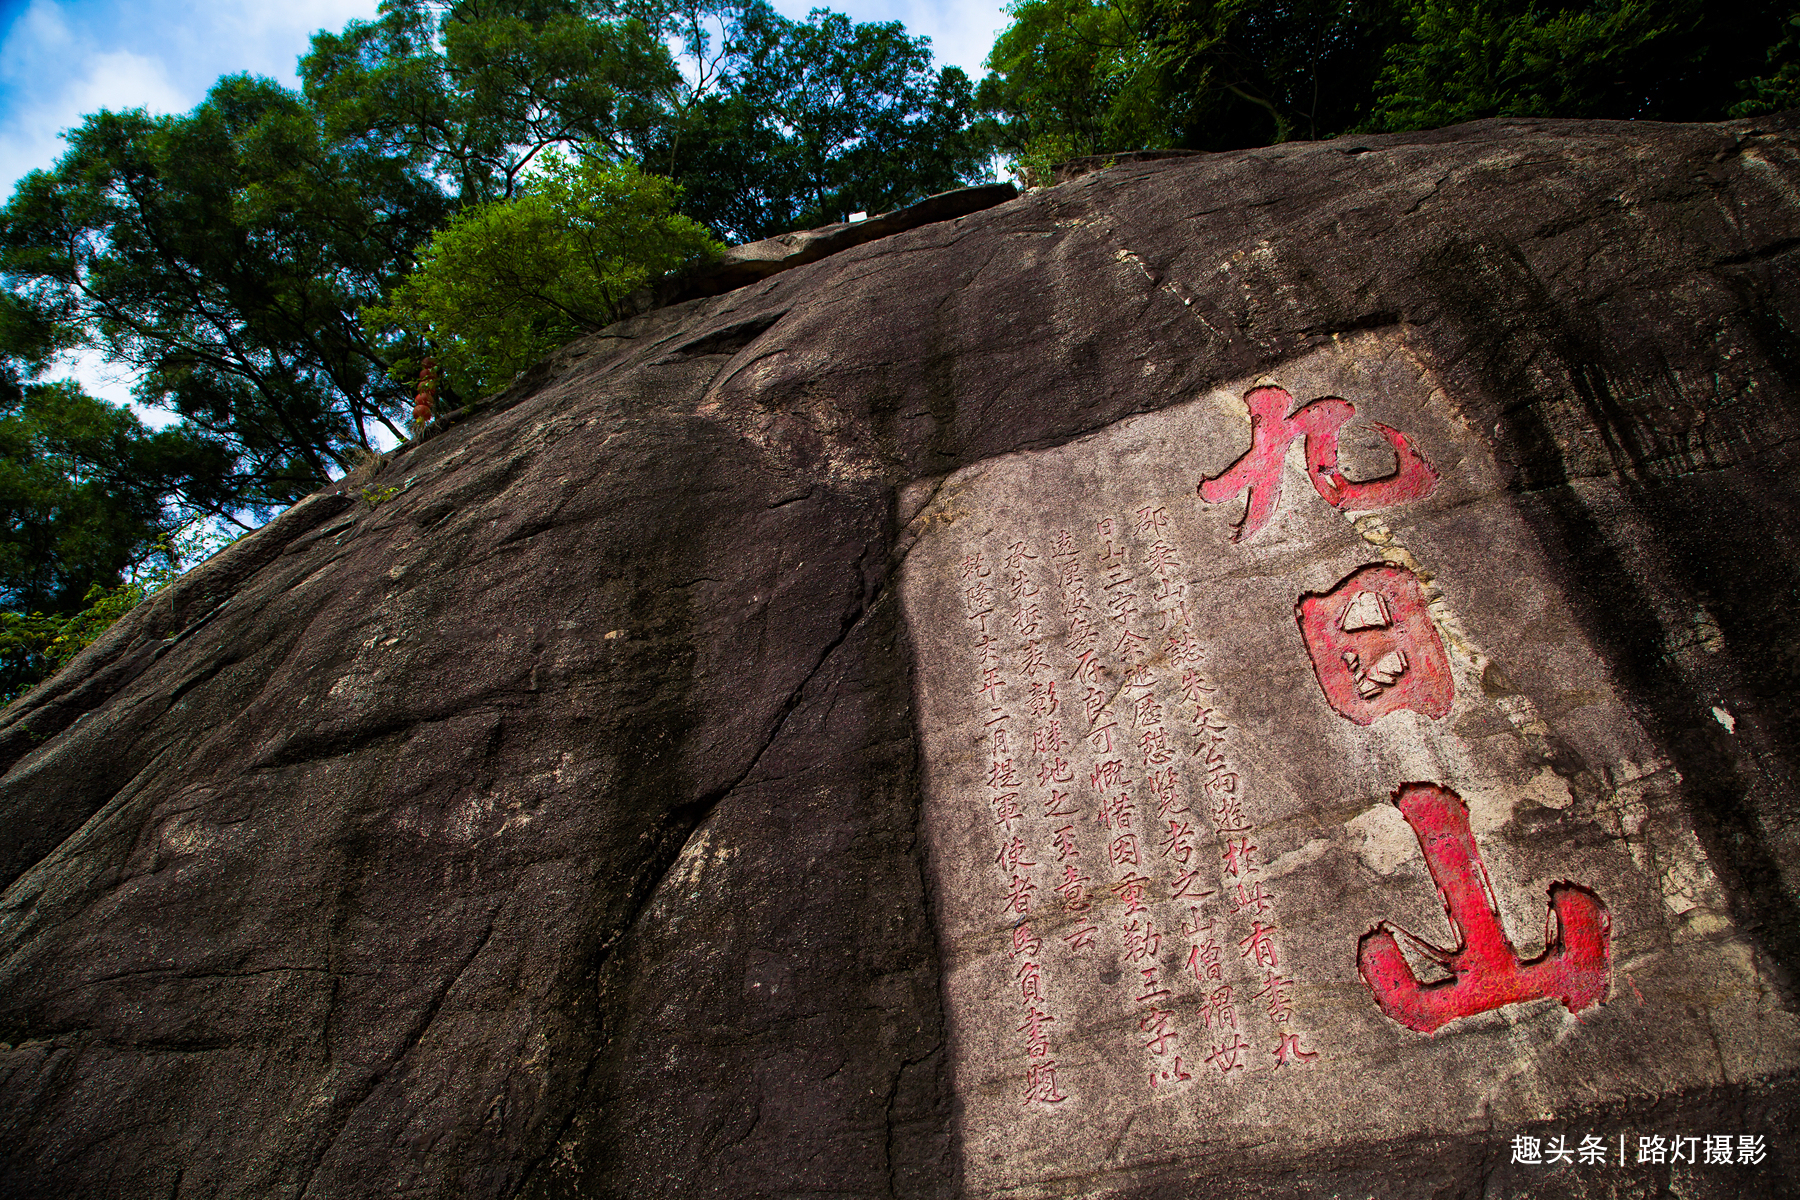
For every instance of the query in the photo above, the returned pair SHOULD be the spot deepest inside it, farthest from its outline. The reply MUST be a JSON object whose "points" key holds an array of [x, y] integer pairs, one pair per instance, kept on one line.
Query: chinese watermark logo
{"points": [[1713, 1150]]}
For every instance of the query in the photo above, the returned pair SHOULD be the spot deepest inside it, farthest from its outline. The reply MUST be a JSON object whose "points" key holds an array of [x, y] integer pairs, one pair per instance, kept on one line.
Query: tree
{"points": [[1670, 60], [469, 93], [223, 255], [508, 281], [1191, 74], [809, 121], [1092, 77], [87, 492]]}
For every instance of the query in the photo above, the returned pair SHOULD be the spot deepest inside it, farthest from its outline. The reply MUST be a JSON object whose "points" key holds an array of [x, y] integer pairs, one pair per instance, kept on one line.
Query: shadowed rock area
{"points": [[615, 810]]}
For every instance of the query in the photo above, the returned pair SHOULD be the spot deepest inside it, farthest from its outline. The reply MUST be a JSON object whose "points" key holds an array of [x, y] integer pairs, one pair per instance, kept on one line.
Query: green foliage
{"points": [[1649, 59], [34, 646], [1194, 74], [469, 94], [86, 492], [510, 280], [1220, 74], [375, 497], [1780, 88], [810, 121], [1034, 164], [223, 255]]}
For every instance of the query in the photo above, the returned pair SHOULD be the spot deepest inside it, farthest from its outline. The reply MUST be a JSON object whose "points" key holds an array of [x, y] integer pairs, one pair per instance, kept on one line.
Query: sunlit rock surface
{"points": [[1267, 673]]}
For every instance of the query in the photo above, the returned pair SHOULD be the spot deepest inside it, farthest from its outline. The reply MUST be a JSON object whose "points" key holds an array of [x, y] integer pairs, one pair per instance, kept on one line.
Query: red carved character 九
{"points": [[1273, 430], [1374, 646], [1485, 971]]}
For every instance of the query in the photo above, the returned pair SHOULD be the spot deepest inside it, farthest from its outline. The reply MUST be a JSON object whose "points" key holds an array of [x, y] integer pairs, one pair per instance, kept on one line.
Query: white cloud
{"points": [[63, 60], [961, 34]]}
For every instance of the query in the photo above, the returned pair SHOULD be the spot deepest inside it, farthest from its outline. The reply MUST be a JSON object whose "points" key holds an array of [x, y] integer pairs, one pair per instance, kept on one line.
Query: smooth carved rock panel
{"points": [[1164, 792]]}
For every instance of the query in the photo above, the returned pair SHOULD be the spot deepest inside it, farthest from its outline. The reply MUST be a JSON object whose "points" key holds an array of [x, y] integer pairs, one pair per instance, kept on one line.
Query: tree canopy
{"points": [[808, 121], [507, 282], [1093, 76]]}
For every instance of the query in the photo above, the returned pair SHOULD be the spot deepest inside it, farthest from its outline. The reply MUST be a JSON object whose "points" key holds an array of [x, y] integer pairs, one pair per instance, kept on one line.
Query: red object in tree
{"points": [[1273, 430], [1374, 647], [1485, 971], [425, 400]]}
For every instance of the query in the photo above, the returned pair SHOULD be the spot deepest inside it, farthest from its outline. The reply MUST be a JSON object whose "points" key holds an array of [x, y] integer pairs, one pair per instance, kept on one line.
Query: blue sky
{"points": [[61, 59]]}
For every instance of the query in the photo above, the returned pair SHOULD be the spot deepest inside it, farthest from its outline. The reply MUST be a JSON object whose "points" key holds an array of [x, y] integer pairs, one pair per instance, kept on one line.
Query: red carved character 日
{"points": [[1485, 971], [1273, 430], [1374, 647]]}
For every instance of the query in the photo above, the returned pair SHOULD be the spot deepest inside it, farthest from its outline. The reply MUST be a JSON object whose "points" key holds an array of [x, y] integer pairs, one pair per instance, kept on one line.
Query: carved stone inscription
{"points": [[1231, 832]]}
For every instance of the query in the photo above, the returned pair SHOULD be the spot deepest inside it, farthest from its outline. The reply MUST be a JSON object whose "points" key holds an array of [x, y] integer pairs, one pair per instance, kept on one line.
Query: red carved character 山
{"points": [[1273, 430], [1485, 971], [1374, 646]]}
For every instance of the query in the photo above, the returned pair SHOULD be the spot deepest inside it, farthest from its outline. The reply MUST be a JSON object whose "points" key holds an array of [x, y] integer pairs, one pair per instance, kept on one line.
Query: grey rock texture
{"points": [[556, 827]]}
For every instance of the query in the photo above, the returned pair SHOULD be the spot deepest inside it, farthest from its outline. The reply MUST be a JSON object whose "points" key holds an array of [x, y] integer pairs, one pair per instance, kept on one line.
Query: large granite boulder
{"points": [[1270, 671]]}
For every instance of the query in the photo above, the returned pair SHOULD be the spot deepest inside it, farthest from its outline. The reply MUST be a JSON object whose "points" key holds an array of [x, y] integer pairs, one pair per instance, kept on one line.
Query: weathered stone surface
{"points": [[613, 810]]}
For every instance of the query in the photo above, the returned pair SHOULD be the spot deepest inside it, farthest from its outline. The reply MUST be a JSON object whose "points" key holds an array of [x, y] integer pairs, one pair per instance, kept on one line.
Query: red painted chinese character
{"points": [[1219, 1008], [1012, 855], [974, 568], [1273, 430], [1115, 811], [1151, 520], [1094, 704], [1043, 699], [1001, 774], [1034, 663], [1156, 1024], [1023, 942], [1037, 1038], [1082, 938], [1059, 805], [1048, 738], [1187, 885], [1275, 993], [1031, 982], [1203, 959], [1237, 856], [1055, 770], [1153, 989], [1194, 686], [1289, 1051], [1164, 559], [1250, 897], [1162, 785], [1040, 1084], [1027, 621], [1374, 646], [1109, 774], [1173, 1074], [1124, 850], [1145, 711], [1142, 941], [1485, 971], [1065, 844], [1154, 745], [1007, 810], [1177, 843], [1260, 945], [1228, 1054], [1016, 554], [1073, 890], [1018, 895], [1130, 890], [1130, 647]]}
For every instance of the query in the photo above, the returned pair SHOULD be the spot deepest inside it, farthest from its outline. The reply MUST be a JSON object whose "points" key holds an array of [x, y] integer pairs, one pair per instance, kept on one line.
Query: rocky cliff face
{"points": [[1271, 670]]}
